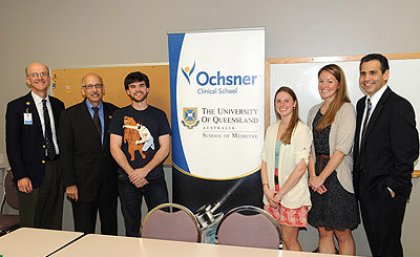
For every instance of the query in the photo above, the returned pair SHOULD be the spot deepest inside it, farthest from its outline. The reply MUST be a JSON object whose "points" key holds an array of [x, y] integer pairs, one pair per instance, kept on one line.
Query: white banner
{"points": [[217, 102]]}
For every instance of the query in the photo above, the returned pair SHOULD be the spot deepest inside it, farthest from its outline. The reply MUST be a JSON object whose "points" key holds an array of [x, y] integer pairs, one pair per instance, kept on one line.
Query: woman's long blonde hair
{"points": [[340, 98]]}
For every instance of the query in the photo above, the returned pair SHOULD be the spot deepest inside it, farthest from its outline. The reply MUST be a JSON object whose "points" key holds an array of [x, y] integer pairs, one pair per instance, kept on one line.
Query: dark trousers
{"points": [[382, 218], [84, 214], [154, 193], [43, 207]]}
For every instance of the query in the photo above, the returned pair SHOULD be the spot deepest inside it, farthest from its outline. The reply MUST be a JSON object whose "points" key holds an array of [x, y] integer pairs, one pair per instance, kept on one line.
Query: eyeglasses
{"points": [[97, 86], [38, 74]]}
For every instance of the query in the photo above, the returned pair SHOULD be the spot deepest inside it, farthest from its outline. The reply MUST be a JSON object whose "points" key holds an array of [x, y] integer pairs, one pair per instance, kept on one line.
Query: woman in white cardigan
{"points": [[334, 207], [283, 168]]}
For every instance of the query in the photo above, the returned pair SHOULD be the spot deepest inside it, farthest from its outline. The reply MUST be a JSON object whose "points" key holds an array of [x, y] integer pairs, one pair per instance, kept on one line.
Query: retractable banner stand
{"points": [[217, 110]]}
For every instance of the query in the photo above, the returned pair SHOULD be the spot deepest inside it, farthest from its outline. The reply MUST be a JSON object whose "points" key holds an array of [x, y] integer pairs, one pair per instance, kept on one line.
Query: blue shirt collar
{"points": [[90, 105]]}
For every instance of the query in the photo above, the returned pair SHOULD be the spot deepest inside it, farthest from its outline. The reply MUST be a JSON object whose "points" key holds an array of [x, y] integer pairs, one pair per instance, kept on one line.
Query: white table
{"points": [[31, 242], [112, 246]]}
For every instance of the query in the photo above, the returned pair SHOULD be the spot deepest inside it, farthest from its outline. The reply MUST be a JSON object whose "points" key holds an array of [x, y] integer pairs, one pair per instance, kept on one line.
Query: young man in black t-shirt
{"points": [[140, 139]]}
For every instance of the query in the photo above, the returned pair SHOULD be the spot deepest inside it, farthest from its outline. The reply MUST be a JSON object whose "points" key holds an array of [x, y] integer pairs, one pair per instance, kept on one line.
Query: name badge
{"points": [[27, 118]]}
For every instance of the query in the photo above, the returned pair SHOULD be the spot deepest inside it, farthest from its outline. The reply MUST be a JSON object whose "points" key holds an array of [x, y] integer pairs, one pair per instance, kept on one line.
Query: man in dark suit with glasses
{"points": [[32, 122], [89, 171]]}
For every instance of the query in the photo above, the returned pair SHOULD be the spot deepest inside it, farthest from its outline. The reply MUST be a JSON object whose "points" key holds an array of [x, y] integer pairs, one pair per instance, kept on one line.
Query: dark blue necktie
{"points": [[51, 154]]}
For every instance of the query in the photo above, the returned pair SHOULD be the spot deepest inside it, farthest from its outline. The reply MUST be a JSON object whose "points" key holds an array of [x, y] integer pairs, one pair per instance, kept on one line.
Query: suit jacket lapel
{"points": [[107, 120], [375, 115], [30, 107], [107, 117], [89, 121]]}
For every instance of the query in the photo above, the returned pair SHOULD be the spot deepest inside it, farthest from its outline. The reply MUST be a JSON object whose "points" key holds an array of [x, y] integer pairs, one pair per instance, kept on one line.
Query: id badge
{"points": [[27, 118]]}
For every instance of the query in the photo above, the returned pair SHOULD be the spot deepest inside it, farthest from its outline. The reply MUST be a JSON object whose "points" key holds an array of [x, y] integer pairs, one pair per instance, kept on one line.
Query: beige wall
{"points": [[106, 32]]}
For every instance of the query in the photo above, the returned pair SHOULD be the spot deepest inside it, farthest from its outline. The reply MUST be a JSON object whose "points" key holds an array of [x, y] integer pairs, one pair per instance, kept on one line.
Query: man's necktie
{"points": [[97, 121], [49, 144], [366, 121]]}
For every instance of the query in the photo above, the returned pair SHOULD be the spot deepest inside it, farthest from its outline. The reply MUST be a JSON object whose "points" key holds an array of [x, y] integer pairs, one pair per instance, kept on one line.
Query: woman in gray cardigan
{"points": [[334, 207]]}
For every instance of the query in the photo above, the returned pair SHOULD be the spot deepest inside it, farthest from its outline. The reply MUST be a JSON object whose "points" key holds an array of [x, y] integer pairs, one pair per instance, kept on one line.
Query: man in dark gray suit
{"points": [[32, 149], [385, 148], [89, 171]]}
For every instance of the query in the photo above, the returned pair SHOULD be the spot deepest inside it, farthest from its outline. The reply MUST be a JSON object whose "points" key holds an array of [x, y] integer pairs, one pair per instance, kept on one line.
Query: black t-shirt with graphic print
{"points": [[140, 131]]}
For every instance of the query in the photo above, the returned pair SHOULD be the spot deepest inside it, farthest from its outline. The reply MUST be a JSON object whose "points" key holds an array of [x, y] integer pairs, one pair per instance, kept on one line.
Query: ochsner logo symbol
{"points": [[205, 78], [187, 72]]}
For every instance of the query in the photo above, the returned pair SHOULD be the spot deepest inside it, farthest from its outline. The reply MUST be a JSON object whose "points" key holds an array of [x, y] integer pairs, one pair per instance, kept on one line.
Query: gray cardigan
{"points": [[341, 139]]}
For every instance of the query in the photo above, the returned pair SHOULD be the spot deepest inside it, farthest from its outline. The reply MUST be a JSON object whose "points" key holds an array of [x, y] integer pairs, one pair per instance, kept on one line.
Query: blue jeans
{"points": [[155, 193]]}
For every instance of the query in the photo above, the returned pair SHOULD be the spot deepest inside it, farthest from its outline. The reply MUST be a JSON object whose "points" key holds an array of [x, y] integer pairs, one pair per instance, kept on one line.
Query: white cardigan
{"points": [[341, 139], [290, 155]]}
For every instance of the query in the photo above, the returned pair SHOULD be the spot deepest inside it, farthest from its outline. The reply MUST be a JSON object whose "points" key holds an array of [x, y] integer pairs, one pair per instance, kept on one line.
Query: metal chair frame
{"points": [[4, 200], [254, 209], [173, 206]]}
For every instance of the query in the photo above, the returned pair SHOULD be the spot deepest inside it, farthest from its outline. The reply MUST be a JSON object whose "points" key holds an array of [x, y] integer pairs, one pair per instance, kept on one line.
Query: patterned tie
{"points": [[51, 154], [97, 121], [366, 121]]}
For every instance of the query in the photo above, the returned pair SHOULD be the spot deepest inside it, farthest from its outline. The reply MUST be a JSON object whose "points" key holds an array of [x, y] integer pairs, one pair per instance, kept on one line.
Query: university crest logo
{"points": [[190, 117]]}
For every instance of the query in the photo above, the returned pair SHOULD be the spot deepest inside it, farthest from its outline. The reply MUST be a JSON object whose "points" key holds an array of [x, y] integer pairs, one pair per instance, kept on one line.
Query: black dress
{"points": [[336, 209]]}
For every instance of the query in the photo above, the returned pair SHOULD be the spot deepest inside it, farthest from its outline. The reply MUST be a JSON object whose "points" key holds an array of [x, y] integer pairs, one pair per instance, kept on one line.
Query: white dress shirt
{"points": [[374, 99], [38, 104]]}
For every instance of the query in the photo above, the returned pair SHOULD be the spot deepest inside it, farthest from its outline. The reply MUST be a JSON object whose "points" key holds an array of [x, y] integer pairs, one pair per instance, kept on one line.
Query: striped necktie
{"points": [[366, 120]]}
